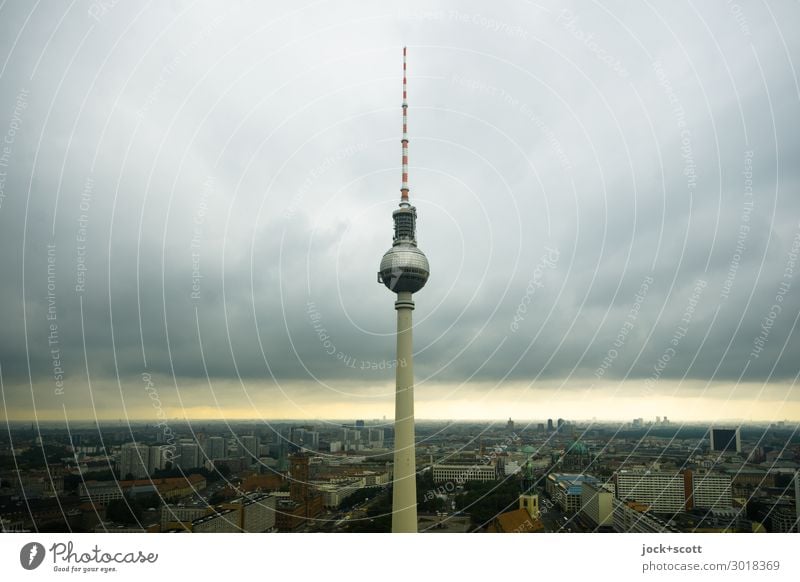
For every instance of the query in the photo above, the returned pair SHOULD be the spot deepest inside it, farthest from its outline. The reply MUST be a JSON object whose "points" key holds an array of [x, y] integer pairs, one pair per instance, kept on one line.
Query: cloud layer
{"points": [[607, 198]]}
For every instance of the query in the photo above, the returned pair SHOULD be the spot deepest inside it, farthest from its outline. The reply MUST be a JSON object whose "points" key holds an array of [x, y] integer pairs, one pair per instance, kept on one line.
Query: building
{"points": [[549, 425], [576, 458], [404, 270], [219, 521], [100, 492], [187, 455], [248, 514], [311, 440], [725, 440], [565, 489], [217, 448], [181, 517], [633, 517], [351, 439], [597, 504], [666, 492], [249, 447], [661, 492], [530, 503], [257, 513], [160, 455], [335, 492], [376, 436], [134, 461], [707, 490], [460, 473], [797, 500]]}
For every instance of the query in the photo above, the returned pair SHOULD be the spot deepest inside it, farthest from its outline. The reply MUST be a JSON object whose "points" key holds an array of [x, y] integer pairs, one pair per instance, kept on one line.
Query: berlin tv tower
{"points": [[404, 270]]}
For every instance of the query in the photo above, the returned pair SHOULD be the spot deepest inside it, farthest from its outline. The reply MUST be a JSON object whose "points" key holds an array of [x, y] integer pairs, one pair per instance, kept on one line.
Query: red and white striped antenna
{"points": [[404, 141]]}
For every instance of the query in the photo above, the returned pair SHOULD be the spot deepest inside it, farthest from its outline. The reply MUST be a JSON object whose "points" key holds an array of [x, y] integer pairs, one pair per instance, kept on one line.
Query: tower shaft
{"points": [[404, 493]]}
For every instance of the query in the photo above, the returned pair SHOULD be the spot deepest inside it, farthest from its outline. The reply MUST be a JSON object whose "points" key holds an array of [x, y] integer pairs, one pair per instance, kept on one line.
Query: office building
{"points": [[725, 440], [597, 504]]}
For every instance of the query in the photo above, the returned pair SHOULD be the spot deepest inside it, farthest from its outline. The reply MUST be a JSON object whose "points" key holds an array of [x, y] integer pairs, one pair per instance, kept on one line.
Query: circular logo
{"points": [[31, 555]]}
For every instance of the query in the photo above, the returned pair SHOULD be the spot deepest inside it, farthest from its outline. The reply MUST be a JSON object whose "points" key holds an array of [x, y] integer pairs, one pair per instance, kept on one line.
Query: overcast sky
{"points": [[194, 203]]}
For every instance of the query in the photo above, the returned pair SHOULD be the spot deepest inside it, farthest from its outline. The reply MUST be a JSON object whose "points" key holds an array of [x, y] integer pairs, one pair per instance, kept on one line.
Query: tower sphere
{"points": [[404, 268]]}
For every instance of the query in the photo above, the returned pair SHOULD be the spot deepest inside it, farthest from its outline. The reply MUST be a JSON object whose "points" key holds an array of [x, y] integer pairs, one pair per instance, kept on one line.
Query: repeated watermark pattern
{"points": [[744, 226], [82, 235], [7, 147], [569, 21], [199, 219], [678, 334], [53, 341], [760, 341], [168, 450], [526, 110], [687, 152], [320, 170], [471, 18], [548, 260], [345, 359], [627, 327]]}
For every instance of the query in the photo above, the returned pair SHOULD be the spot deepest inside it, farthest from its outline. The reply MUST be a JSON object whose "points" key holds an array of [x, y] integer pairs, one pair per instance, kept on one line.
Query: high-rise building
{"points": [[351, 439], [549, 425], [134, 459], [187, 455], [726, 440], [597, 503], [303, 438], [707, 490], [662, 492], [249, 447], [404, 270], [217, 448], [159, 455], [312, 440], [666, 492], [376, 437], [560, 423]]}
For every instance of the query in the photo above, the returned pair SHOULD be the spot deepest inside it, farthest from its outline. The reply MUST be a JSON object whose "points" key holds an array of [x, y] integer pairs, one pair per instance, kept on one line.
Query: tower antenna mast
{"points": [[404, 141]]}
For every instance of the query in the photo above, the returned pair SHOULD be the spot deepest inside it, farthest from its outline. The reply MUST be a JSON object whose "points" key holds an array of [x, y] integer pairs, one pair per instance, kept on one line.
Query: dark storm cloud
{"points": [[224, 183]]}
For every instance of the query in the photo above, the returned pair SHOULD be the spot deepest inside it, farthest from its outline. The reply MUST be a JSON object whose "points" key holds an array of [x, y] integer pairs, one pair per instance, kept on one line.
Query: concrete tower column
{"points": [[404, 495]]}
